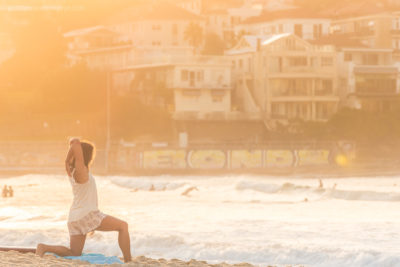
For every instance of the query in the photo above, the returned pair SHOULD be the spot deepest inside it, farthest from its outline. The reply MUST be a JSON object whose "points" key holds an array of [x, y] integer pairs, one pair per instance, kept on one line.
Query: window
{"points": [[326, 61], [396, 24], [324, 87], [192, 93], [379, 84], [297, 61], [192, 77], [184, 75], [298, 30], [156, 43], [317, 31], [156, 27], [174, 29], [348, 57], [314, 62], [217, 96], [200, 76], [240, 63], [370, 59], [278, 110]]}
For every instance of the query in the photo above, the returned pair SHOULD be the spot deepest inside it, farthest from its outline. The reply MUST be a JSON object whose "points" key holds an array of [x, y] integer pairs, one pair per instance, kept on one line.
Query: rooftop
{"points": [[249, 43], [339, 41], [295, 13], [89, 30]]}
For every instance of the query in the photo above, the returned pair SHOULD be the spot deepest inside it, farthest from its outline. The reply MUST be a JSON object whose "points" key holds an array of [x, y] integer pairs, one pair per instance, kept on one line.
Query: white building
{"points": [[270, 5], [370, 79], [160, 25], [99, 47], [378, 28], [197, 87], [194, 6], [285, 77], [295, 21]]}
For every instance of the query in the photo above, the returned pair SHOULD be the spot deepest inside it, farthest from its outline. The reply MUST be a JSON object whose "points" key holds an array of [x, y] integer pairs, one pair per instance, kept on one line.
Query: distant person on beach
{"points": [[4, 193], [84, 215], [10, 191]]}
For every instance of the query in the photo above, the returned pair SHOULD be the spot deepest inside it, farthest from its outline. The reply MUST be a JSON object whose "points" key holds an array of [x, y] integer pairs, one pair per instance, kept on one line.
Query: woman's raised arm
{"points": [[75, 153]]}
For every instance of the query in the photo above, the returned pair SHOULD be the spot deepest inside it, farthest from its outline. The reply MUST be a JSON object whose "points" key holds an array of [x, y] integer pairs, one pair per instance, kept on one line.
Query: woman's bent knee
{"points": [[124, 226]]}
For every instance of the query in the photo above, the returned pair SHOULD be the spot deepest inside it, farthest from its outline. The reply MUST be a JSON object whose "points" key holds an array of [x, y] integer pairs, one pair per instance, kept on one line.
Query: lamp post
{"points": [[108, 118]]}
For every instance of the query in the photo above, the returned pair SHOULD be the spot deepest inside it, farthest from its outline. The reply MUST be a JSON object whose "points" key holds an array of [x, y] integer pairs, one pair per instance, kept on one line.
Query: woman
{"points": [[84, 215]]}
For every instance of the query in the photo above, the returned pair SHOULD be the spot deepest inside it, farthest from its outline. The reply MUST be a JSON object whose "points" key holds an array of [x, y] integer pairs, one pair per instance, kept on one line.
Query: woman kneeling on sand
{"points": [[84, 215]]}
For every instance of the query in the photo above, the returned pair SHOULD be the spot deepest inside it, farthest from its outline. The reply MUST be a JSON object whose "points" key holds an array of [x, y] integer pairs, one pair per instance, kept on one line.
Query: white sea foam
{"points": [[233, 219], [290, 188], [145, 184]]}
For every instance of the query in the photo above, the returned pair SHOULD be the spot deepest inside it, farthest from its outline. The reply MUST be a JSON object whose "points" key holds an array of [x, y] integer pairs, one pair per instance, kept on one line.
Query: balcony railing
{"points": [[364, 31], [395, 31], [377, 91], [173, 60]]}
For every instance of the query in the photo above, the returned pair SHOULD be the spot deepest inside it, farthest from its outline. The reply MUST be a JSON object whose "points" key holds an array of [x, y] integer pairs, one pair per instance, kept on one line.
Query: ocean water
{"points": [[257, 219]]}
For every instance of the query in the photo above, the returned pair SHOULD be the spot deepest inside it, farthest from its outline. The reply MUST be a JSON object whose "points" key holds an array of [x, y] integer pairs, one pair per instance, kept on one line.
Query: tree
{"points": [[213, 45], [194, 35]]}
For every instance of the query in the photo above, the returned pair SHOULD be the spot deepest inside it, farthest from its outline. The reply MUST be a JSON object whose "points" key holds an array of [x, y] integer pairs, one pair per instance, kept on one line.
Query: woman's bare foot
{"points": [[40, 250]]}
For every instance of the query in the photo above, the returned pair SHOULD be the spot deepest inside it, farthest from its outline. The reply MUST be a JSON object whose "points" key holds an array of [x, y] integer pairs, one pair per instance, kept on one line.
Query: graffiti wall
{"points": [[312, 157], [164, 159], [246, 159], [216, 159], [279, 158], [122, 158], [206, 159]]}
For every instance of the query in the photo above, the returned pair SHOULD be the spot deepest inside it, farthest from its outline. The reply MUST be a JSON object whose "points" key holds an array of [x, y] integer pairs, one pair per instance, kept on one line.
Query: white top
{"points": [[85, 198]]}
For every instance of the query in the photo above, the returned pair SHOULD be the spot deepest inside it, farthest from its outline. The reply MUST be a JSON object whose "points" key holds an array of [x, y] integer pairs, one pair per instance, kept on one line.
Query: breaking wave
{"points": [[146, 184], [290, 188]]}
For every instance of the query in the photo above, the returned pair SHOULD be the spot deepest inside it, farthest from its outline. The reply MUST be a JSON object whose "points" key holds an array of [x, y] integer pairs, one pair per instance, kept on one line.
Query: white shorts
{"points": [[87, 224]]}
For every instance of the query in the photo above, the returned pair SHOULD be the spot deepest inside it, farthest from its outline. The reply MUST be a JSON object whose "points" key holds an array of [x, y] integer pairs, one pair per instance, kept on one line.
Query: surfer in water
{"points": [[84, 215]]}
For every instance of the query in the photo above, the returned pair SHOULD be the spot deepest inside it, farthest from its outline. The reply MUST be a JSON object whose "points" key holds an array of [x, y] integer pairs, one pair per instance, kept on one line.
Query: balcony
{"points": [[365, 91], [217, 116], [364, 31], [190, 60], [395, 31]]}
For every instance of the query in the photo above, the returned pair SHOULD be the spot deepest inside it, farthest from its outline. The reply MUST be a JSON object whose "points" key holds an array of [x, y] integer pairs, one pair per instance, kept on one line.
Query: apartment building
{"points": [[369, 79], [157, 25], [271, 5], [300, 22], [221, 23], [99, 47], [285, 78], [194, 6], [376, 28], [192, 87]]}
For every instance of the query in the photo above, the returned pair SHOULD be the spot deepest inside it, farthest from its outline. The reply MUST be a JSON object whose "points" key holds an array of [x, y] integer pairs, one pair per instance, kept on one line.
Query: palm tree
{"points": [[194, 35]]}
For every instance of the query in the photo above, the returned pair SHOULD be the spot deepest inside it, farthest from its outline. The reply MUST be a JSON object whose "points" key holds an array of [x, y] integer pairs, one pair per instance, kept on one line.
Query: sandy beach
{"points": [[13, 258]]}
